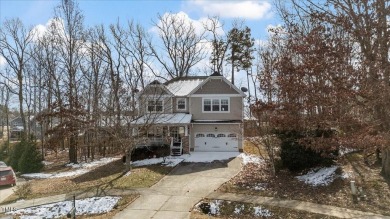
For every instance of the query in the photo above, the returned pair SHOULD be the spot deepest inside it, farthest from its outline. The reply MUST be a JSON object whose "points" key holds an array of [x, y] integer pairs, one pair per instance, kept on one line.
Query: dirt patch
{"points": [[227, 209]]}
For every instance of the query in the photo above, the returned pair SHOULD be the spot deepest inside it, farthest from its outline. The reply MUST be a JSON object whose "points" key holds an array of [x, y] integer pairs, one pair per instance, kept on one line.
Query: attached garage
{"points": [[216, 141]]}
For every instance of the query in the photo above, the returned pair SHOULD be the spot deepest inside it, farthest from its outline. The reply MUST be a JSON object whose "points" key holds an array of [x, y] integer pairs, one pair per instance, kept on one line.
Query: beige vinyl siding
{"points": [[221, 128], [216, 86], [167, 103], [235, 108]]}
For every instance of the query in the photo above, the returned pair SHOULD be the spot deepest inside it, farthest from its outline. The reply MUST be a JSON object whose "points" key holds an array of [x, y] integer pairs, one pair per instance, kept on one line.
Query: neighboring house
{"points": [[16, 124], [16, 127], [191, 114]]}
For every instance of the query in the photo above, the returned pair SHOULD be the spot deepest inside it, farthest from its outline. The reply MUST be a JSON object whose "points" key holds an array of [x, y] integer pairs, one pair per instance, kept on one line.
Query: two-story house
{"points": [[201, 113]]}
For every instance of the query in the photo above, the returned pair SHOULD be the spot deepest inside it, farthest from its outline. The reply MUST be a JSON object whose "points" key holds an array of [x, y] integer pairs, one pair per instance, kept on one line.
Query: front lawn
{"points": [[100, 180], [256, 179]]}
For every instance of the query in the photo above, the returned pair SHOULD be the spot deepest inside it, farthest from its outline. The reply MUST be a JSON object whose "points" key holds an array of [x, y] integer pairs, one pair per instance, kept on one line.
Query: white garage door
{"points": [[216, 142]]}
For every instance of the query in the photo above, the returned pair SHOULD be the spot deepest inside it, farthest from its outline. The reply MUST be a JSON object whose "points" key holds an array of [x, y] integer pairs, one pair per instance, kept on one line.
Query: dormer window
{"points": [[155, 106], [181, 103]]}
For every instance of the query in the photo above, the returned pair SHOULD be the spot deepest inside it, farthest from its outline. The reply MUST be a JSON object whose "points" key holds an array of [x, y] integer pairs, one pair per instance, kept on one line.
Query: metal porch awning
{"points": [[163, 119]]}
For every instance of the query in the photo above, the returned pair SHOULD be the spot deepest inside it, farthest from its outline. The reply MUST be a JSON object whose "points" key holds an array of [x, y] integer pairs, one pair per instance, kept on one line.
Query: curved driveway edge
{"points": [[176, 194]]}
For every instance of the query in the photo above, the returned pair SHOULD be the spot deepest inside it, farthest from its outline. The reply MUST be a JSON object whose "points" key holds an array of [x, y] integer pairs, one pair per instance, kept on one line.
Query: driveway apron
{"points": [[178, 192]]}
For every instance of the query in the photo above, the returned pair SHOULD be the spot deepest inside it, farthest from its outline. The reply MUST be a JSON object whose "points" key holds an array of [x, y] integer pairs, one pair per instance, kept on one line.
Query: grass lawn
{"points": [[285, 186], [99, 180]]}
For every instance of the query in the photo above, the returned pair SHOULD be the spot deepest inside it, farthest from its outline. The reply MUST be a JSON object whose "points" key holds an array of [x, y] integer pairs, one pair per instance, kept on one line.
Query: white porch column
{"points": [[186, 130]]}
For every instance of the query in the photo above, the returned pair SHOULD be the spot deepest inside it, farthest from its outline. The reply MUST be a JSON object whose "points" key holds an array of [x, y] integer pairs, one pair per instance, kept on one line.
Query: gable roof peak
{"points": [[155, 82], [216, 74]]}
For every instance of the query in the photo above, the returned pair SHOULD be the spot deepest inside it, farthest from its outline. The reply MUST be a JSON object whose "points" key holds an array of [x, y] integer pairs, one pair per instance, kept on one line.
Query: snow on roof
{"points": [[175, 118], [184, 87]]}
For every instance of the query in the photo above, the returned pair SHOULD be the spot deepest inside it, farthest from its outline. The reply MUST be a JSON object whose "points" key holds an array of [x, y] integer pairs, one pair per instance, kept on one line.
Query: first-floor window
{"points": [[155, 106], [216, 105]]}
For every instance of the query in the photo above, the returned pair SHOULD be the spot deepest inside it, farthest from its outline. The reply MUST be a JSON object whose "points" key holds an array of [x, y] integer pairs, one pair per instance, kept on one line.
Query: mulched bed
{"points": [[228, 210], [285, 186]]}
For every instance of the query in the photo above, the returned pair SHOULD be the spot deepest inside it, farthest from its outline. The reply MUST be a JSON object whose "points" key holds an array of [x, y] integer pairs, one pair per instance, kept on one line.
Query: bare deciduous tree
{"points": [[219, 43], [70, 36], [15, 42], [181, 47]]}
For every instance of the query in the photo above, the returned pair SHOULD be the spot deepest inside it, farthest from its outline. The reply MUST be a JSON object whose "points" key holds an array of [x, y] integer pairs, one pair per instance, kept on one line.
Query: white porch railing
{"points": [[176, 147], [149, 141]]}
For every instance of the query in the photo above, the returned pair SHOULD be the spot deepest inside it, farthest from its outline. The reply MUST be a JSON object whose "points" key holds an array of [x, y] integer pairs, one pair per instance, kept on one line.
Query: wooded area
{"points": [[326, 67], [81, 83]]}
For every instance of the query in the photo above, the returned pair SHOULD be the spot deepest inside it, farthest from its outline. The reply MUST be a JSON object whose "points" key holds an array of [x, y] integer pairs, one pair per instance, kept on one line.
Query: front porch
{"points": [[163, 130]]}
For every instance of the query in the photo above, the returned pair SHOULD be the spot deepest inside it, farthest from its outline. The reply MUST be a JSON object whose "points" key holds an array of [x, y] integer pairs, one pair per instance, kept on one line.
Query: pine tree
{"points": [[240, 49], [31, 159], [16, 154]]}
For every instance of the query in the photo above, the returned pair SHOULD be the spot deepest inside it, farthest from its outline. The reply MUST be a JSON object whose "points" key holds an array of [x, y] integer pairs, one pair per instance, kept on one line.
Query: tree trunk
{"points": [[386, 162], [20, 97], [233, 66], [128, 161], [73, 148]]}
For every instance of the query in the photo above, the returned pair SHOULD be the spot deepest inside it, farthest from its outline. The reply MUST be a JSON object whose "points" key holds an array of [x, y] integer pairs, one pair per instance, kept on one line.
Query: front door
{"points": [[174, 133]]}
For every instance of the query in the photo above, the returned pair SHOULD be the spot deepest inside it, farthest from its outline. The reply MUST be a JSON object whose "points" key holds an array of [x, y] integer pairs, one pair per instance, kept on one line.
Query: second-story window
{"points": [[224, 105], [207, 105], [216, 105], [181, 104], [155, 106]]}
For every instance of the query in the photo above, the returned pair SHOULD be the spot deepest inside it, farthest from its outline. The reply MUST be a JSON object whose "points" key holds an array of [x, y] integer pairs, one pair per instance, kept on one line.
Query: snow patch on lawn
{"points": [[215, 207], [320, 177], [260, 186], [94, 205], [346, 175], [239, 209], [249, 158], [169, 161], [262, 212], [343, 151], [44, 162], [92, 164], [81, 168], [220, 207]]}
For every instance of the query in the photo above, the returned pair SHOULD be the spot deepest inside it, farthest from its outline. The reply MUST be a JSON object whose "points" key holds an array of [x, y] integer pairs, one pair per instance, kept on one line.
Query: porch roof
{"points": [[164, 119]]}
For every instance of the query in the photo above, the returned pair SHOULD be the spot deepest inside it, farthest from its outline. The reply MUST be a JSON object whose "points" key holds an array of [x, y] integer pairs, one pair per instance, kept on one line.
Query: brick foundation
{"points": [[185, 144]]}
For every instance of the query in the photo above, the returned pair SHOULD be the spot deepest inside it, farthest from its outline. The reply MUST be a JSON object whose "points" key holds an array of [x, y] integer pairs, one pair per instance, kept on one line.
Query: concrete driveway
{"points": [[6, 191], [178, 192]]}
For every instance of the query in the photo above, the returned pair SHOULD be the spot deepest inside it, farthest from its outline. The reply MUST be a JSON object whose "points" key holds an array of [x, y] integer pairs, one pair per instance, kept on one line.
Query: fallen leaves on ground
{"points": [[285, 185]]}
